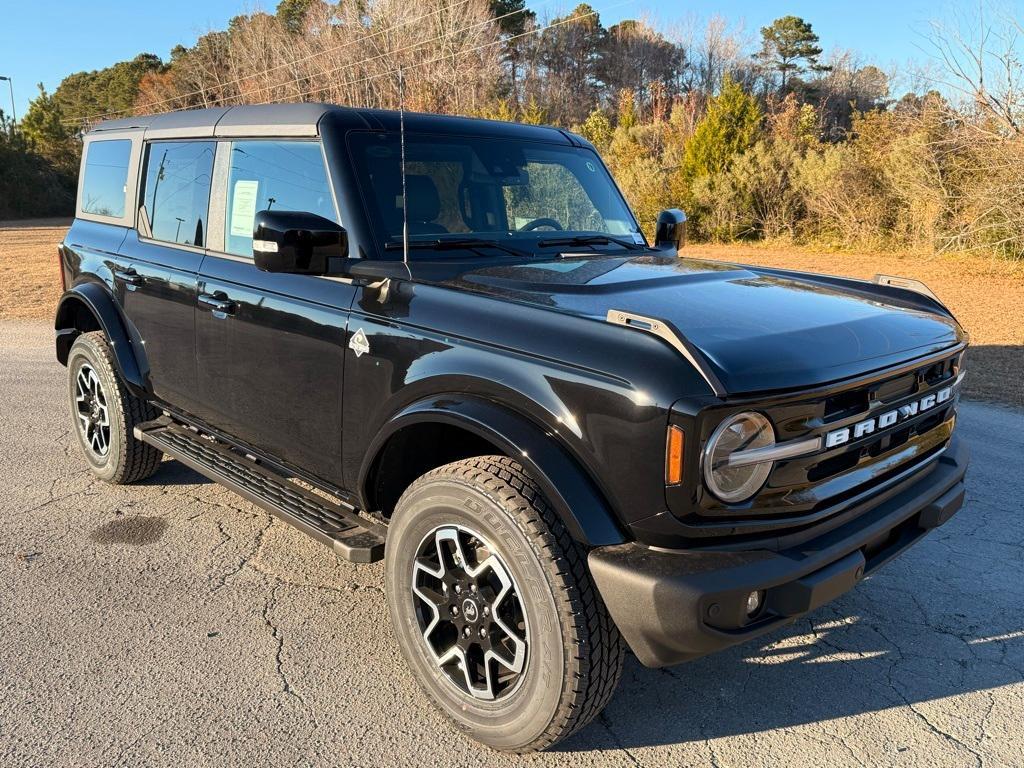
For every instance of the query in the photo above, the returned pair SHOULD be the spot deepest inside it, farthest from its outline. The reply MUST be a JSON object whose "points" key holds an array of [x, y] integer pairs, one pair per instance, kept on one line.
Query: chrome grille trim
{"points": [[788, 450]]}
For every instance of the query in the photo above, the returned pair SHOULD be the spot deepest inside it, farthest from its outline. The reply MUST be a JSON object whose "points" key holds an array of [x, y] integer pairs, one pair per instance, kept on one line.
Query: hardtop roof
{"points": [[304, 119]]}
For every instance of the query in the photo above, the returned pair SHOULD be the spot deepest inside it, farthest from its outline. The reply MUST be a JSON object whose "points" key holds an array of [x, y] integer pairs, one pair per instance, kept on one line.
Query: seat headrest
{"points": [[423, 201]]}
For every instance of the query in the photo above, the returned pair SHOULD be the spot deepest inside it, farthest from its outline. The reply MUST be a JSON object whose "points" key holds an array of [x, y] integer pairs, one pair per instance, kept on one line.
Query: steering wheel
{"points": [[538, 223]]}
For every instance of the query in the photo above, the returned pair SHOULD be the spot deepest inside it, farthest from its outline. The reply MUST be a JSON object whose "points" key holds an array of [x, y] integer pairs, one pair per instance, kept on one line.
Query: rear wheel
{"points": [[493, 606], [104, 413]]}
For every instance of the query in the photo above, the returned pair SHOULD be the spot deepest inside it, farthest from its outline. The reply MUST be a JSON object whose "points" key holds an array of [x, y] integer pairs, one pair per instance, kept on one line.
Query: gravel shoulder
{"points": [[172, 623]]}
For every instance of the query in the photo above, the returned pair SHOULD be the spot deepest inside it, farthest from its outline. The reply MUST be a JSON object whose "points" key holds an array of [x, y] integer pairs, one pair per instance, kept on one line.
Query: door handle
{"points": [[218, 302], [129, 276]]}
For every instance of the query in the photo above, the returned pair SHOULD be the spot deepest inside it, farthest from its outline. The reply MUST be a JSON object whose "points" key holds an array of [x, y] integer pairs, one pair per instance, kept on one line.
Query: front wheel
{"points": [[494, 609], [104, 414]]}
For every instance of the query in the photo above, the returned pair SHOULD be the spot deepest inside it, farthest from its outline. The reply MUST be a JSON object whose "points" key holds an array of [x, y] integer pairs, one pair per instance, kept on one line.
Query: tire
{"points": [[104, 421], [573, 651]]}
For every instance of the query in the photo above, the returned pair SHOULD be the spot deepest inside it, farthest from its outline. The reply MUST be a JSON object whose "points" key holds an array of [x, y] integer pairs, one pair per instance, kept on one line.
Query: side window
{"points": [[273, 175], [177, 190], [106, 174]]}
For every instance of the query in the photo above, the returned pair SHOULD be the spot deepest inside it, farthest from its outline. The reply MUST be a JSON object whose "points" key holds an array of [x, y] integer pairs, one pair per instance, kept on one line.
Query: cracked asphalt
{"points": [[173, 623]]}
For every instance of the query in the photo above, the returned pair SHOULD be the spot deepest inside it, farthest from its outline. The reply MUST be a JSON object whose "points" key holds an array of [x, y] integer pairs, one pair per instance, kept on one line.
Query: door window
{"points": [[273, 175], [177, 191]]}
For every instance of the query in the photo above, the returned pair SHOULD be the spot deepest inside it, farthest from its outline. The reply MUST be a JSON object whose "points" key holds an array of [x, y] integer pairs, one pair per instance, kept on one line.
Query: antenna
{"points": [[405, 202]]}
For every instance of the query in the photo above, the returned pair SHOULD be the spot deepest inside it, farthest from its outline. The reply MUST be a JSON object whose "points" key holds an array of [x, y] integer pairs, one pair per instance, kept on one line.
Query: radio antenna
{"points": [[401, 133]]}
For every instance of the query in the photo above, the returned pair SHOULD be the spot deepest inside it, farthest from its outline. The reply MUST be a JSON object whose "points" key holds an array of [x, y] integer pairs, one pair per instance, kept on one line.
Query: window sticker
{"points": [[243, 207]]}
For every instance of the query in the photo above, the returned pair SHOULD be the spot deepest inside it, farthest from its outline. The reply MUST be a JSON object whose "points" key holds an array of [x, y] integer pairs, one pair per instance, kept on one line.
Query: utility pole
{"points": [[156, 188], [10, 86]]}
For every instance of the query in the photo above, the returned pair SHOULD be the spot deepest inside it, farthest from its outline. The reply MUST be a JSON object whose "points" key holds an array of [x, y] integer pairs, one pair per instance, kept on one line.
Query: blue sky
{"points": [[43, 41]]}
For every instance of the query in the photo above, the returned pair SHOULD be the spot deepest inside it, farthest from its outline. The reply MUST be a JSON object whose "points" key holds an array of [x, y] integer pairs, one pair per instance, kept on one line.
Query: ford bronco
{"points": [[447, 344]]}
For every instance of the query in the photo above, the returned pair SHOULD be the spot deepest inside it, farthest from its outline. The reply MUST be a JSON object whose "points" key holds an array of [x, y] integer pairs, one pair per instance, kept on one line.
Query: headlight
{"points": [[742, 432]]}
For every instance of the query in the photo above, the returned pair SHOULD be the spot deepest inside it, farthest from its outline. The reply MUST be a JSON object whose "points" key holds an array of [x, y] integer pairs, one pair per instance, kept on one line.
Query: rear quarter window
{"points": [[104, 186]]}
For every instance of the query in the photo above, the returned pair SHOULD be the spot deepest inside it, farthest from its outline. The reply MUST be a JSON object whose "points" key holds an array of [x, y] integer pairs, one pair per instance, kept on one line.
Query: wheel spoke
{"points": [[101, 439]]}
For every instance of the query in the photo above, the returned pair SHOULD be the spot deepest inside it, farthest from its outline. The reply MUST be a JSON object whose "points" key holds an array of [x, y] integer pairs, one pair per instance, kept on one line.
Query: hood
{"points": [[758, 330]]}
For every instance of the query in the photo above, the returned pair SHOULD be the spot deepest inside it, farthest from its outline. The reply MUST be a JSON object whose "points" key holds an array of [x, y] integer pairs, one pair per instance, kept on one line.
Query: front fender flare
{"points": [[574, 496], [101, 305]]}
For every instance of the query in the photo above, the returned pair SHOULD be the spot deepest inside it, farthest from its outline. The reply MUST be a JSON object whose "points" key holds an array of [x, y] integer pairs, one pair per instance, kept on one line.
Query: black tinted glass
{"points": [[177, 191], [277, 176], [106, 173]]}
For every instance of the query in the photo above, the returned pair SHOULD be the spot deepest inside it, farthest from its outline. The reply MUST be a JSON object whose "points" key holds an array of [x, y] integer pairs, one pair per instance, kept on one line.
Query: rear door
{"points": [[161, 259], [270, 347]]}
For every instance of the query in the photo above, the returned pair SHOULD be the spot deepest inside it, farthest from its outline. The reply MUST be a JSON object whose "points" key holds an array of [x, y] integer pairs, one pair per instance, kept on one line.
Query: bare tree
{"points": [[980, 56]]}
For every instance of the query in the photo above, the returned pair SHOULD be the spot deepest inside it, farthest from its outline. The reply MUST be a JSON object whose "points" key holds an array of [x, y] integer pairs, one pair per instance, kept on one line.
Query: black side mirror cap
{"points": [[670, 234], [298, 243]]}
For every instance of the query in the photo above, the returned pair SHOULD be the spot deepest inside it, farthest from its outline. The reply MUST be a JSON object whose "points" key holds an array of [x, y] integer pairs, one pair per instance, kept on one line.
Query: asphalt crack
{"points": [[604, 721], [224, 578]]}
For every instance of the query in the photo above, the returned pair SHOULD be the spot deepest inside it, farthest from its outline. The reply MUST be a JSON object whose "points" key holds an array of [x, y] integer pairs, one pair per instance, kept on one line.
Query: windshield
{"points": [[523, 194]]}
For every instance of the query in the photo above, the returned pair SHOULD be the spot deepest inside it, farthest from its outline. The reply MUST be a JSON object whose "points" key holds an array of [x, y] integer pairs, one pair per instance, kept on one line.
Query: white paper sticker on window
{"points": [[243, 207]]}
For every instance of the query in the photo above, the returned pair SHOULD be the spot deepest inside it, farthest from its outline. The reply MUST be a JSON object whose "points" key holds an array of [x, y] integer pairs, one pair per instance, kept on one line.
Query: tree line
{"points": [[757, 137]]}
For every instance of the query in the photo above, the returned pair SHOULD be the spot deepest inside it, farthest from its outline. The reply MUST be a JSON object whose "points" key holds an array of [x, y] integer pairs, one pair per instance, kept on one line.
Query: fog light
{"points": [[754, 601]]}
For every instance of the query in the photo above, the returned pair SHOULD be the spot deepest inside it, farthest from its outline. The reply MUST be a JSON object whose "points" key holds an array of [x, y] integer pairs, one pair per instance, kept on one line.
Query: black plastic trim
{"points": [[672, 606]]}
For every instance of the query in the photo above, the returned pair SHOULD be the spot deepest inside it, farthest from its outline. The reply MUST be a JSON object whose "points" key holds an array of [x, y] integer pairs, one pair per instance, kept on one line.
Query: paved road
{"points": [[172, 623]]}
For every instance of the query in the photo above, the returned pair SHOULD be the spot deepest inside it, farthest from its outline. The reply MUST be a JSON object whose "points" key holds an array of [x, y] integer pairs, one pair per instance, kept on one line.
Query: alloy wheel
{"points": [[93, 416], [470, 612]]}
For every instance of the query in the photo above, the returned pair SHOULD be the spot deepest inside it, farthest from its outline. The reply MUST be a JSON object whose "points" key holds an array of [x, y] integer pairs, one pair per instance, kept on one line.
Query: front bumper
{"points": [[673, 606]]}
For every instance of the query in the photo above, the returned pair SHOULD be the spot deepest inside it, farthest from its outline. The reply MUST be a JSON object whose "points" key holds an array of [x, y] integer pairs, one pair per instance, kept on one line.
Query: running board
{"points": [[350, 536]]}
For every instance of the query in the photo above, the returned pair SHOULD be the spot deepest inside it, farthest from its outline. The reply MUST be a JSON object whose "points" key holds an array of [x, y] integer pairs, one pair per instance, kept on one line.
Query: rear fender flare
{"points": [[97, 301], [575, 498]]}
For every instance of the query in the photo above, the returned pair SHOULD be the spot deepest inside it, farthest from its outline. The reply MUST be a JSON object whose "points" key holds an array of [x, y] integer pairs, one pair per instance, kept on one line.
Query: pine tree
{"points": [[786, 43], [731, 125]]}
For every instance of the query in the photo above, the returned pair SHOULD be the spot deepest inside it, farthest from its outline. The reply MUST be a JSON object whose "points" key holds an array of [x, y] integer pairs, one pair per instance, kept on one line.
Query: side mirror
{"points": [[670, 234], [298, 242]]}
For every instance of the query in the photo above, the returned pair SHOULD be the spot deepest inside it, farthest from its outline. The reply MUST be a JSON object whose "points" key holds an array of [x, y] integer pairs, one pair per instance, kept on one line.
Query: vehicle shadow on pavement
{"points": [[874, 649], [172, 472]]}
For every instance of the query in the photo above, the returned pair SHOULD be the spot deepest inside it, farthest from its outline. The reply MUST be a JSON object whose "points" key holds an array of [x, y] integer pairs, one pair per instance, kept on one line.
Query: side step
{"points": [[337, 526]]}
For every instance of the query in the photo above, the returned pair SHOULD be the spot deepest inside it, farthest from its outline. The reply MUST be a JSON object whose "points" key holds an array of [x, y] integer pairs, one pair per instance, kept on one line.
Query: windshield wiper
{"points": [[456, 243], [592, 240]]}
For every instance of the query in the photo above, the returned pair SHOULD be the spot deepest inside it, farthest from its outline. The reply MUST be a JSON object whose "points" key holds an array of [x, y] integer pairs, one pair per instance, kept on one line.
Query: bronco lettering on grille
{"points": [[889, 418]]}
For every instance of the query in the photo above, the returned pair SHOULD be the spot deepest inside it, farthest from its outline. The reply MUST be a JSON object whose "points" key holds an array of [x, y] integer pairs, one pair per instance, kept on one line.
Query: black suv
{"points": [[445, 343]]}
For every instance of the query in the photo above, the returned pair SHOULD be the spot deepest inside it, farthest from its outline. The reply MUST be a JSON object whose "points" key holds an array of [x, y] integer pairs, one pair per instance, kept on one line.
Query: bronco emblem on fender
{"points": [[359, 343]]}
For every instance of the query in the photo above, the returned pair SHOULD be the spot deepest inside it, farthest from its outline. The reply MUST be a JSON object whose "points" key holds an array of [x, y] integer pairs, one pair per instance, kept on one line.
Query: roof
{"points": [[303, 119], [288, 119]]}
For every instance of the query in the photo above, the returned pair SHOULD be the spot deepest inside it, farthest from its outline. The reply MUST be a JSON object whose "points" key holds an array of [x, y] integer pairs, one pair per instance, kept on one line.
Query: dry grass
{"points": [[29, 281], [986, 295]]}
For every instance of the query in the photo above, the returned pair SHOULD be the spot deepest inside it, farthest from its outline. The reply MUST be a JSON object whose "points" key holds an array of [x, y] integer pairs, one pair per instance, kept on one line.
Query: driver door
{"points": [[270, 347]]}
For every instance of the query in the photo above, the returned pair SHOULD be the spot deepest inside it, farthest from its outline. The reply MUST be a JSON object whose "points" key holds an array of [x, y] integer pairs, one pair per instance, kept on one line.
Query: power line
{"points": [[334, 49], [499, 41], [283, 65], [445, 57], [411, 46]]}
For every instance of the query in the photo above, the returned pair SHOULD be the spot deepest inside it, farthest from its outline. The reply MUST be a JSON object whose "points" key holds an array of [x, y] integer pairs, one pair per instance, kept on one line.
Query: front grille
{"points": [[800, 490]]}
